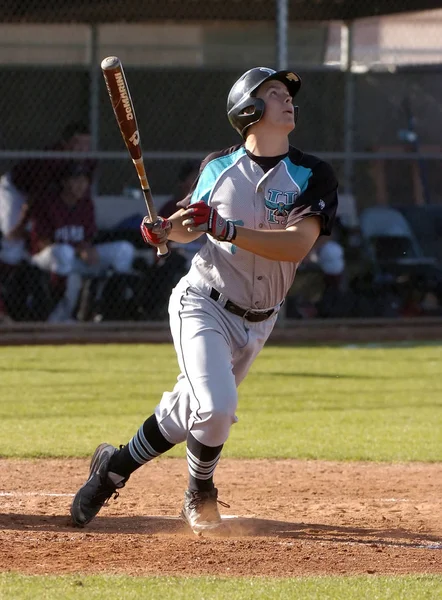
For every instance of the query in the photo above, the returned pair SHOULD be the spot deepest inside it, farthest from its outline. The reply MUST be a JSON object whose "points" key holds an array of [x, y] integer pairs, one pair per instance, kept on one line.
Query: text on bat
{"points": [[124, 97]]}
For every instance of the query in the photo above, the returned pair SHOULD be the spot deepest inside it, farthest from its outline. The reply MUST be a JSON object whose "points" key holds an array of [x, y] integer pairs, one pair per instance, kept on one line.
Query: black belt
{"points": [[250, 315]]}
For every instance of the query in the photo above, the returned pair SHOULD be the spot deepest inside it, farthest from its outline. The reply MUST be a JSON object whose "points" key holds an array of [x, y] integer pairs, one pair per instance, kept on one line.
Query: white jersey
{"points": [[299, 186]]}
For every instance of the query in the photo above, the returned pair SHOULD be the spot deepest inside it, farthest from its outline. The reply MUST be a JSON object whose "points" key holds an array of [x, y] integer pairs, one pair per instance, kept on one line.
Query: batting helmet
{"points": [[243, 108]]}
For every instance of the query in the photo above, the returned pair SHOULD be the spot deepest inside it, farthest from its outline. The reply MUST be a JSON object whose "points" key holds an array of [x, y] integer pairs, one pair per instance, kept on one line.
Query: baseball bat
{"points": [[124, 110]]}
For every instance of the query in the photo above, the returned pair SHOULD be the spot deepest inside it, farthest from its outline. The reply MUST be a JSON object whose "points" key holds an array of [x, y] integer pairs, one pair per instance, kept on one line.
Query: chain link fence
{"points": [[370, 105]]}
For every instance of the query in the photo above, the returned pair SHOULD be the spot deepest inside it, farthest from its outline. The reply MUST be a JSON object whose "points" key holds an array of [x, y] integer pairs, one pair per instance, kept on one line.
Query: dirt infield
{"points": [[286, 518]]}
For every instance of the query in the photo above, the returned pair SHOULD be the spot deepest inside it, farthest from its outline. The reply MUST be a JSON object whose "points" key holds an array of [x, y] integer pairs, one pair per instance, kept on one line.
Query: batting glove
{"points": [[155, 233], [201, 217]]}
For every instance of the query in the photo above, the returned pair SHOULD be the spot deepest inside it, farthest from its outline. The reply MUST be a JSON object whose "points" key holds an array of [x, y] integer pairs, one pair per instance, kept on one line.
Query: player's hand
{"points": [[155, 233], [200, 217]]}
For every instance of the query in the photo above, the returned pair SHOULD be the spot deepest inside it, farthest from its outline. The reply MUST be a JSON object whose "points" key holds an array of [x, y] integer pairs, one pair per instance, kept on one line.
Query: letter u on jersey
{"points": [[279, 204]]}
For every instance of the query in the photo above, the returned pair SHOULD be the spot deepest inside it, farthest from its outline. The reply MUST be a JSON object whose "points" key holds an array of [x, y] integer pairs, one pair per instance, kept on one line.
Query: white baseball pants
{"points": [[215, 350]]}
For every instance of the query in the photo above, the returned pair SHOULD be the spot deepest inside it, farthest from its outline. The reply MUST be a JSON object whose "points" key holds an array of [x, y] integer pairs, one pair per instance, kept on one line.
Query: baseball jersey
{"points": [[300, 185], [56, 221]]}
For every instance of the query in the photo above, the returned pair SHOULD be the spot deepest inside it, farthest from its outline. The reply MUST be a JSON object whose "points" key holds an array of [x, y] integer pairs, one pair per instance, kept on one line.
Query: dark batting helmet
{"points": [[243, 108]]}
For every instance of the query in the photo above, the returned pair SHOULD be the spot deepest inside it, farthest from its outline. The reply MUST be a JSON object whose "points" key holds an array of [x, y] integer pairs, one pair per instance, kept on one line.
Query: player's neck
{"points": [[269, 145]]}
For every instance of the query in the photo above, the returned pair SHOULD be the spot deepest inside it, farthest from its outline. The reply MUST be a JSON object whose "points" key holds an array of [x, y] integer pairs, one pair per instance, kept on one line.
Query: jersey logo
{"points": [[321, 204], [278, 205]]}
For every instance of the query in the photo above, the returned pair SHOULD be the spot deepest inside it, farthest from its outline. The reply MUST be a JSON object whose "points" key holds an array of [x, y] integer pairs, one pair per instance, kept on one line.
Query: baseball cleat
{"points": [[99, 487], [200, 510]]}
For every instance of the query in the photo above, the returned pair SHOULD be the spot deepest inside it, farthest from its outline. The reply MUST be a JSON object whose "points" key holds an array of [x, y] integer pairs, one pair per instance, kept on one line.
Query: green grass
{"points": [[335, 403], [379, 404], [19, 587]]}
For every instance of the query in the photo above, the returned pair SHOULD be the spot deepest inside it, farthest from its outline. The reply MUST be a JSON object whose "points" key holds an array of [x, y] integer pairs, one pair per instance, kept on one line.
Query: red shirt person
{"points": [[67, 217], [62, 235], [28, 183]]}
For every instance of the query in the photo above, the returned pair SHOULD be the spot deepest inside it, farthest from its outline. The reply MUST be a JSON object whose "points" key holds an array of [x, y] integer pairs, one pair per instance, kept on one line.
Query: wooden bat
{"points": [[127, 122]]}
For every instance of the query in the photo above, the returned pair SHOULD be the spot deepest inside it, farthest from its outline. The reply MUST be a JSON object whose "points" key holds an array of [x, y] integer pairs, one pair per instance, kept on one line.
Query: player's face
{"points": [[279, 111]]}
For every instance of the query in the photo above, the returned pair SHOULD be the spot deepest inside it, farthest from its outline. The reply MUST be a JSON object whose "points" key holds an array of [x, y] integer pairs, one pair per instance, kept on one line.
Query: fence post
{"points": [[281, 34], [94, 93], [349, 101]]}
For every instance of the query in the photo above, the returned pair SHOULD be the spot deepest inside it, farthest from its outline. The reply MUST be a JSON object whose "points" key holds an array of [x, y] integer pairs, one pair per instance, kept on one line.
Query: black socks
{"points": [[147, 443], [201, 461]]}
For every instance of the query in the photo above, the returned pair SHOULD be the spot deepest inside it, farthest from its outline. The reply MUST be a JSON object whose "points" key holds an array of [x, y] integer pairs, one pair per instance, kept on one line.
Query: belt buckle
{"points": [[264, 315]]}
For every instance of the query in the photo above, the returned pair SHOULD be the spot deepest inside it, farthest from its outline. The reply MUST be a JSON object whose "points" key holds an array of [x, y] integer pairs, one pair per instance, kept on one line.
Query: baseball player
{"points": [[263, 204]]}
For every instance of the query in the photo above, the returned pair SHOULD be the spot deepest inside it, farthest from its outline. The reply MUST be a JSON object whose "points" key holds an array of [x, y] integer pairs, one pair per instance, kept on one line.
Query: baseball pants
{"points": [[215, 350]]}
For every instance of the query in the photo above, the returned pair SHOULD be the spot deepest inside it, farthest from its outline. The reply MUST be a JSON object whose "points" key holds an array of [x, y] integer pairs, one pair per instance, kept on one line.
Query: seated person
{"points": [[62, 235], [14, 215], [337, 300], [14, 234], [27, 182], [331, 261]]}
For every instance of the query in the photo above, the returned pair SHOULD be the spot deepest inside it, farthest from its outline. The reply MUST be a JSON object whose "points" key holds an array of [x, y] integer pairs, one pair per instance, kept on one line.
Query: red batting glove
{"points": [[156, 233], [201, 217]]}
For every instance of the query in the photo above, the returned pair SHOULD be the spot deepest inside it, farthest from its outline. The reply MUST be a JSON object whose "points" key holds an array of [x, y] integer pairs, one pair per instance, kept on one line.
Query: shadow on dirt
{"points": [[235, 527]]}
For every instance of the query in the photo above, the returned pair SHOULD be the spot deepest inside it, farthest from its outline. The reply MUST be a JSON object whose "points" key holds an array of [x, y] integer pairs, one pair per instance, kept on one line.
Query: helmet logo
{"points": [[292, 77]]}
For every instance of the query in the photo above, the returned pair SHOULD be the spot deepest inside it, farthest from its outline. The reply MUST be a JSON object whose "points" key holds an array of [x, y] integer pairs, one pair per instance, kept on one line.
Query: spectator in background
{"points": [[331, 261], [62, 234], [337, 300], [21, 190], [36, 177], [20, 284], [14, 217], [27, 183], [75, 137]]}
